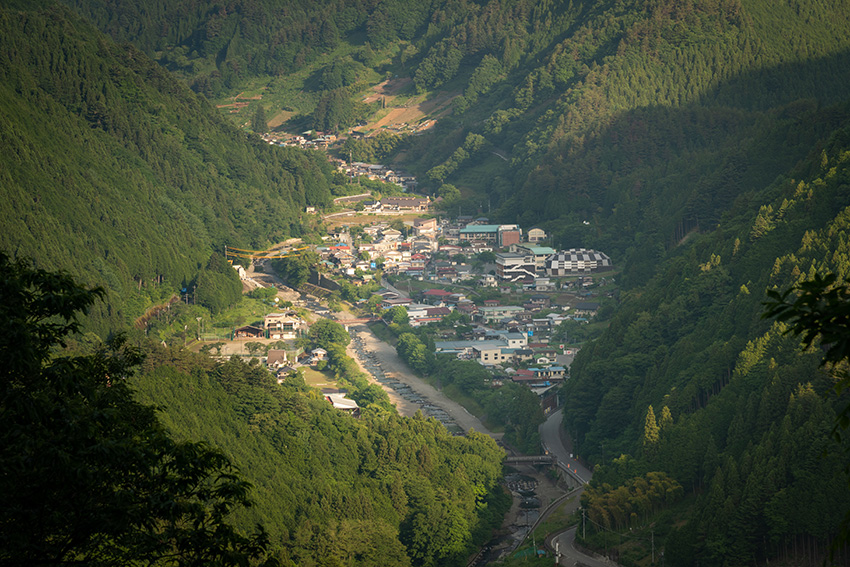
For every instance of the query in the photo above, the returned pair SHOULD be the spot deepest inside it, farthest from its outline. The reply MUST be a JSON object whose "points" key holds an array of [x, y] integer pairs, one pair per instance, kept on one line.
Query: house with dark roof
{"points": [[586, 309], [390, 303], [523, 354], [435, 296], [284, 372], [438, 312], [276, 359], [467, 307], [248, 332], [405, 203], [527, 377]]}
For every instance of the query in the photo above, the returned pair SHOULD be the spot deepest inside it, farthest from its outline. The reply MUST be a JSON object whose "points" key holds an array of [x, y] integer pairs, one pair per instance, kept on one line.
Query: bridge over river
{"points": [[533, 460]]}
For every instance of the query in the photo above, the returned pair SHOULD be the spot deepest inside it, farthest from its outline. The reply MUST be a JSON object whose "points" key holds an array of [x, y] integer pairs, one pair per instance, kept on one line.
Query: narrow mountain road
{"points": [[569, 555], [556, 441]]}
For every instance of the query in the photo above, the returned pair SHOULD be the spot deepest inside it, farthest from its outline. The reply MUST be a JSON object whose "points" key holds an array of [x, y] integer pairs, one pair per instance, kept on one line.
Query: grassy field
{"points": [[382, 332], [316, 379], [289, 100]]}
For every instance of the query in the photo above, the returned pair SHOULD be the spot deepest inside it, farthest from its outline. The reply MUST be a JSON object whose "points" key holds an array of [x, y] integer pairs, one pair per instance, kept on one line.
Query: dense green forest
{"points": [[747, 415], [90, 475], [331, 489], [117, 173], [702, 144], [91, 472], [645, 119]]}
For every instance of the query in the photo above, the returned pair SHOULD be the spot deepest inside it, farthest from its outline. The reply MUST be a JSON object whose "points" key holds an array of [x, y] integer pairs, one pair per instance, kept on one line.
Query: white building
{"points": [[513, 267]]}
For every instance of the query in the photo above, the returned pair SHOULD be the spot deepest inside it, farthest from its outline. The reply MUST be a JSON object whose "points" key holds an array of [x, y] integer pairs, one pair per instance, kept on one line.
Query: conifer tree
{"points": [[259, 124], [651, 433]]}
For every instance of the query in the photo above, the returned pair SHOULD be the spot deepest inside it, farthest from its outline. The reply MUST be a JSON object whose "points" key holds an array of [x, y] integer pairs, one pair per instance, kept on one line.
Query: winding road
{"points": [[557, 444], [552, 435]]}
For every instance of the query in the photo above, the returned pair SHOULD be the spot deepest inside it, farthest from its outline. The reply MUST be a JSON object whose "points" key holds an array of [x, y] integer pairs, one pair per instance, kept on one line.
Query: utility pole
{"points": [[653, 546]]}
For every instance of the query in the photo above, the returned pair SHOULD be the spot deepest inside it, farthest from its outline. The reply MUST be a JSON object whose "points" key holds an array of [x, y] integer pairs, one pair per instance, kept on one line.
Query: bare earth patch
{"points": [[411, 115], [280, 118]]}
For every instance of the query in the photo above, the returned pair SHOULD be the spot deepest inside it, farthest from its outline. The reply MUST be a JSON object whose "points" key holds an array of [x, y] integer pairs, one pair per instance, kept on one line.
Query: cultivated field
{"points": [[412, 114]]}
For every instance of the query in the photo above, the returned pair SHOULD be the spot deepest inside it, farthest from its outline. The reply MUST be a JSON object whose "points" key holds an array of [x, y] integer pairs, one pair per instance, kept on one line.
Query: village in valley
{"points": [[516, 305]]}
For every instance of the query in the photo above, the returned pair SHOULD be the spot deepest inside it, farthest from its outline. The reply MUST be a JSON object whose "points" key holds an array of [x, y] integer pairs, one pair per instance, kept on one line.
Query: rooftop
{"points": [[540, 250], [461, 345], [501, 308], [474, 228]]}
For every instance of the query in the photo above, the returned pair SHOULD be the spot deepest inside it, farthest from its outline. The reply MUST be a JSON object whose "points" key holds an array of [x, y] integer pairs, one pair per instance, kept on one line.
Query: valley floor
{"points": [[393, 365]]}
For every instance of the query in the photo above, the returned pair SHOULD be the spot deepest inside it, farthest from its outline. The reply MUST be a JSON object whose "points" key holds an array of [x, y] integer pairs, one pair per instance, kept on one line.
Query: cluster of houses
{"points": [[279, 363], [377, 172], [517, 261], [433, 304], [505, 336], [509, 348], [310, 139], [316, 140], [512, 339]]}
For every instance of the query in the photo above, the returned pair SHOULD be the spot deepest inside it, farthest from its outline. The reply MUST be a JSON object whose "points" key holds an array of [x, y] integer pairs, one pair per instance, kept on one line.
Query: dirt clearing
{"points": [[411, 114]]}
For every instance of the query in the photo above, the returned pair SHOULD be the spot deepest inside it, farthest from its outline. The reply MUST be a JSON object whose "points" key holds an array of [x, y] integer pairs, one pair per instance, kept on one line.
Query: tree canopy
{"points": [[89, 474]]}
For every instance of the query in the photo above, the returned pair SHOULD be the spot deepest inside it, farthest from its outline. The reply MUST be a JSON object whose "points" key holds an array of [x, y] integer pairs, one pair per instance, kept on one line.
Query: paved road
{"points": [[556, 441], [570, 556], [560, 446]]}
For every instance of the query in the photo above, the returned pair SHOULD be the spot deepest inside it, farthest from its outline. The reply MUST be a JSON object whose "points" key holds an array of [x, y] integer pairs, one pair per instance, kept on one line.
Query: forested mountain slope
{"points": [[329, 488], [646, 119], [117, 173], [702, 144], [746, 416]]}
